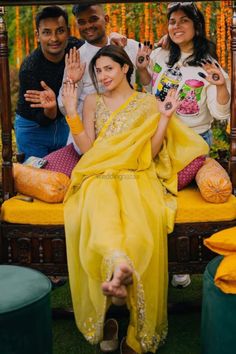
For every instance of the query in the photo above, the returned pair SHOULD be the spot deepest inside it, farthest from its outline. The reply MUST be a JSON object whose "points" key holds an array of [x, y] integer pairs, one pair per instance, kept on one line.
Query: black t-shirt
{"points": [[36, 68]]}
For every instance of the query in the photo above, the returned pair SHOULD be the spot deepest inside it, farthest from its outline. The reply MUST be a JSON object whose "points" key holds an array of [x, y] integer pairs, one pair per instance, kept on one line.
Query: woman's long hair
{"points": [[202, 47], [118, 55]]}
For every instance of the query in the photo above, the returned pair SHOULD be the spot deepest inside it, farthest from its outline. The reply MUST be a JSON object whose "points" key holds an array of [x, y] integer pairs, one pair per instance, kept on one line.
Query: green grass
{"points": [[184, 323]]}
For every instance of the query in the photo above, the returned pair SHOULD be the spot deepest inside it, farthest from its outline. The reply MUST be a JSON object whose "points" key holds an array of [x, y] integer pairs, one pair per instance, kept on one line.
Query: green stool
{"points": [[218, 327], [25, 313]]}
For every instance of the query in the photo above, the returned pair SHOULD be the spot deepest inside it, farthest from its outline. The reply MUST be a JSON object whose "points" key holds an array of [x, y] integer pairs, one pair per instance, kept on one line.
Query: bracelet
{"points": [[75, 124]]}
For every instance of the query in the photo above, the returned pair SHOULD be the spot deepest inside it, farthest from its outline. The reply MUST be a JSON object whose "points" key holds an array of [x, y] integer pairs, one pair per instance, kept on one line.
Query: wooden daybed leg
{"points": [[5, 111], [232, 160]]}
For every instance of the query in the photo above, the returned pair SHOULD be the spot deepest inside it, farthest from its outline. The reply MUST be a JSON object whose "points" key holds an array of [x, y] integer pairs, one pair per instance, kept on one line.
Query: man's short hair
{"points": [[51, 12], [76, 9]]}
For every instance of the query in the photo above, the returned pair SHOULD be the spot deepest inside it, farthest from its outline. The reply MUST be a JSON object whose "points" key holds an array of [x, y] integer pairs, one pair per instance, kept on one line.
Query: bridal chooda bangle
{"points": [[75, 124]]}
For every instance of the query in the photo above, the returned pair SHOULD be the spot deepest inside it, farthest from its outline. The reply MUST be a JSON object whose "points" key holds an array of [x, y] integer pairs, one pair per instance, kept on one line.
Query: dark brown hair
{"points": [[202, 47], [118, 55], [51, 12]]}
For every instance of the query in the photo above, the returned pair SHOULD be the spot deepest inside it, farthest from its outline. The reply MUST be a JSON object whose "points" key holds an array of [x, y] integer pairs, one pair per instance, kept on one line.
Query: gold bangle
{"points": [[75, 124]]}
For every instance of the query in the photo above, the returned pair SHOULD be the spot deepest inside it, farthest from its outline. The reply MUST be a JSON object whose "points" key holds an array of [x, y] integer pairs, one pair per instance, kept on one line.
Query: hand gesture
{"points": [[163, 42], [118, 39], [143, 55], [74, 68], [70, 98], [214, 74], [170, 104], [41, 99]]}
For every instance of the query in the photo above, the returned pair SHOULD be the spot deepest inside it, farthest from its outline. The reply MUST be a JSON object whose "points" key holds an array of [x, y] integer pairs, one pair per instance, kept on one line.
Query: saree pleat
{"points": [[118, 209]]}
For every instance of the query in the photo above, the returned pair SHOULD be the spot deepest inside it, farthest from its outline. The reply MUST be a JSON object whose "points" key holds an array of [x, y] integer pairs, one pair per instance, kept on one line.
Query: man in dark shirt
{"points": [[39, 126]]}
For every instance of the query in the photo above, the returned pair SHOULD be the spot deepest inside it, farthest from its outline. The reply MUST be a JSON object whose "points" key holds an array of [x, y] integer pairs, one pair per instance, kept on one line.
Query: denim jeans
{"points": [[33, 139], [207, 136]]}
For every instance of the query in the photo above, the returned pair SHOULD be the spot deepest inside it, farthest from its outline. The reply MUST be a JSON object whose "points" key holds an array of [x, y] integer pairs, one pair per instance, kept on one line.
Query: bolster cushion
{"points": [[213, 182], [48, 186]]}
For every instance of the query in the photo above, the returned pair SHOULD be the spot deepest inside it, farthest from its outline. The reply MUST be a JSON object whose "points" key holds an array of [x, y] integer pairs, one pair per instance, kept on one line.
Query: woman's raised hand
{"points": [[170, 104], [143, 55], [118, 39], [214, 74], [41, 99], [74, 68], [70, 97]]}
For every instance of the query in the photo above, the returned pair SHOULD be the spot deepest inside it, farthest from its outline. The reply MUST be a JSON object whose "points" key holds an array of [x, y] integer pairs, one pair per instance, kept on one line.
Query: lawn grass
{"points": [[184, 323]]}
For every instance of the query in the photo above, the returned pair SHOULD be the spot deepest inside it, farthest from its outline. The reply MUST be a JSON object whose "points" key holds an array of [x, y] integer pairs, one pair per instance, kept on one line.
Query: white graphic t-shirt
{"points": [[198, 97]]}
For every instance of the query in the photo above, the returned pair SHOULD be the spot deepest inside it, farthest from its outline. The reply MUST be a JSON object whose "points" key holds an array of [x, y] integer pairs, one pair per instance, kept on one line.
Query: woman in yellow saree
{"points": [[120, 204]]}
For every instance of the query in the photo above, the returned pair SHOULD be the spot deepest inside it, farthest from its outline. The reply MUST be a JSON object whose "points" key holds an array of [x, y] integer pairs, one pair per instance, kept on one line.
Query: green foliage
{"points": [[14, 89], [220, 144], [26, 27]]}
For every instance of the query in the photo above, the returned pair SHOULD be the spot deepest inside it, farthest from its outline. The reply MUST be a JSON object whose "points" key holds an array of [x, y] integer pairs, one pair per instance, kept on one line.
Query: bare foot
{"points": [[116, 287]]}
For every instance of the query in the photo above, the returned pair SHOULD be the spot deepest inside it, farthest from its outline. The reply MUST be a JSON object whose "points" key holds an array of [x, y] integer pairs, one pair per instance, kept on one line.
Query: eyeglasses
{"points": [[182, 4]]}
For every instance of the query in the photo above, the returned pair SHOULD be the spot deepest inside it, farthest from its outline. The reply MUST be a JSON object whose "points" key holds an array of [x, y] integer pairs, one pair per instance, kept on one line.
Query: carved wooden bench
{"points": [[42, 245]]}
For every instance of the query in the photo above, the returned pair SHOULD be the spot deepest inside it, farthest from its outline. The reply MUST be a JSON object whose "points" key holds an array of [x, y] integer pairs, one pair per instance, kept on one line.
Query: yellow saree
{"points": [[117, 208]]}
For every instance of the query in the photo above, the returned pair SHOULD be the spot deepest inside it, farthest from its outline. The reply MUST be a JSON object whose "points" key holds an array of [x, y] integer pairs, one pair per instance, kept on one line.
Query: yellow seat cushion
{"points": [[191, 208], [222, 242], [35, 213]]}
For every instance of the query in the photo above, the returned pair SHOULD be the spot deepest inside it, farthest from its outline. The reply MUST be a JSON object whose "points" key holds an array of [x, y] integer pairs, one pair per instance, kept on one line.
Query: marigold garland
{"points": [[18, 39], [228, 22], [207, 19], [114, 22], [146, 21], [108, 11], [34, 26], [123, 19], [218, 34], [27, 46], [222, 36]]}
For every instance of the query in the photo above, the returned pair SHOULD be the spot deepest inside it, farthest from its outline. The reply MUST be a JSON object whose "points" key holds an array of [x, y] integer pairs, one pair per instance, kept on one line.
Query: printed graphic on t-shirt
{"points": [[156, 71], [190, 95], [170, 79]]}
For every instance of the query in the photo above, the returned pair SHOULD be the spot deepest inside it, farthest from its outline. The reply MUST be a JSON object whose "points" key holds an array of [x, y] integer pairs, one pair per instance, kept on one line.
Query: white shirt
{"points": [[199, 104], [85, 86]]}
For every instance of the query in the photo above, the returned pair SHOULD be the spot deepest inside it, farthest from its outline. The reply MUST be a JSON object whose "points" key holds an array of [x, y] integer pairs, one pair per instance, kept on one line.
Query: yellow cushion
{"points": [[35, 213], [213, 182], [193, 208], [222, 242], [225, 277]]}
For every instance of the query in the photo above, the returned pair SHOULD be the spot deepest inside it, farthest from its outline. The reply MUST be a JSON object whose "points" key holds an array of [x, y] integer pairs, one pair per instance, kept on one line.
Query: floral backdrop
{"points": [[140, 21]]}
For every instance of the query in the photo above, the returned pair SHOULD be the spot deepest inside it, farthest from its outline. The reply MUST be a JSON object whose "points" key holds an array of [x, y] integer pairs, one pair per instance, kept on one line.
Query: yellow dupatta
{"points": [[116, 209]]}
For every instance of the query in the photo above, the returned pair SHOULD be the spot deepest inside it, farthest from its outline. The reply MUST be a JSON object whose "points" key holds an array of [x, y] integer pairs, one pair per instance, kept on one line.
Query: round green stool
{"points": [[218, 327], [25, 313]]}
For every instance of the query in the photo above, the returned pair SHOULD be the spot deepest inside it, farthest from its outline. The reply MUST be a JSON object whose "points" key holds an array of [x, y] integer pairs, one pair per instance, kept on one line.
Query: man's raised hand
{"points": [[41, 99], [73, 66]]}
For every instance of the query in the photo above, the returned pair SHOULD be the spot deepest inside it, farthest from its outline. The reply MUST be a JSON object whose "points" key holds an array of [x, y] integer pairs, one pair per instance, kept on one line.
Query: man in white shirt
{"points": [[91, 21]]}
